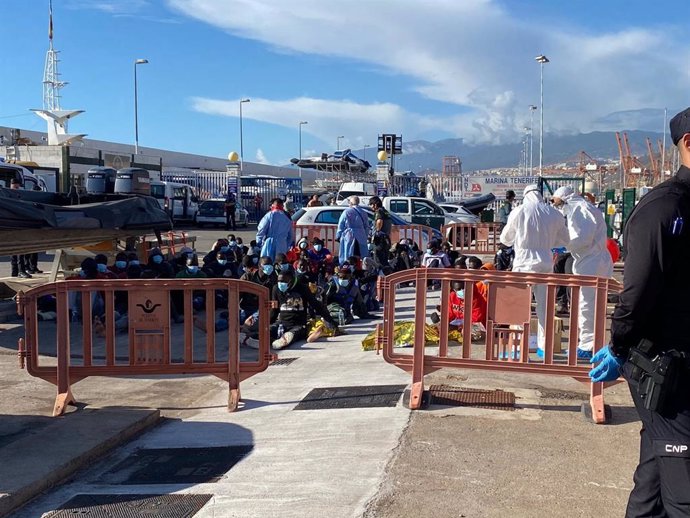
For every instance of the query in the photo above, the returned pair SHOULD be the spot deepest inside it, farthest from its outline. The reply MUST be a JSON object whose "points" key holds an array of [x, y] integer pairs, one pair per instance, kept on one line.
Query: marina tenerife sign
{"points": [[496, 185]]}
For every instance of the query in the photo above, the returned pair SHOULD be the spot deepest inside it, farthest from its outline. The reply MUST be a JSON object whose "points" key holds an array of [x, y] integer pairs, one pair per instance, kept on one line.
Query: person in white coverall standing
{"points": [[587, 231], [533, 229]]}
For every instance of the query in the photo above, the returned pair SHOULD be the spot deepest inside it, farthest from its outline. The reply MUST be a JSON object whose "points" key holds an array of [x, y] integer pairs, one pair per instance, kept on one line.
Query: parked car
{"points": [[329, 215], [212, 212], [424, 212], [461, 213]]}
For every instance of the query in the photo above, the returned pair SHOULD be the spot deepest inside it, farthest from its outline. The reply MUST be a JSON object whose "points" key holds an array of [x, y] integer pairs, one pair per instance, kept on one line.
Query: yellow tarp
{"points": [[403, 336]]}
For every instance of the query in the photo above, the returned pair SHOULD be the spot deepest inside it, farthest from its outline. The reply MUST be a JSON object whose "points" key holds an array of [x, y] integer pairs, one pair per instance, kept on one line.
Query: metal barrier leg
{"points": [[64, 389], [417, 389], [234, 348], [596, 402]]}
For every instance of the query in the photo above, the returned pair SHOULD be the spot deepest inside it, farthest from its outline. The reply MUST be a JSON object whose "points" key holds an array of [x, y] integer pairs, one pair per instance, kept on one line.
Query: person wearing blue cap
{"points": [[650, 345]]}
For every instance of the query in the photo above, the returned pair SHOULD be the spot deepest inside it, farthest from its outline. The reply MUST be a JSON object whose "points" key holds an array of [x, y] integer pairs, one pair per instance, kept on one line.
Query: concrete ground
{"points": [[543, 459]]}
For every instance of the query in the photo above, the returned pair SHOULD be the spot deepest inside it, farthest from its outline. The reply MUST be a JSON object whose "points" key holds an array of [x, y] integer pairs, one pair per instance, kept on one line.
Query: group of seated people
{"points": [[306, 284]]}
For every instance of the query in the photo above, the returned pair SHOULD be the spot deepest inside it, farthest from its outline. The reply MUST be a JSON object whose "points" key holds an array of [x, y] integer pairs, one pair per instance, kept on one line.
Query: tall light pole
{"points": [[531, 138], [136, 105], [541, 59], [337, 145], [364, 152], [301, 123], [242, 101]]}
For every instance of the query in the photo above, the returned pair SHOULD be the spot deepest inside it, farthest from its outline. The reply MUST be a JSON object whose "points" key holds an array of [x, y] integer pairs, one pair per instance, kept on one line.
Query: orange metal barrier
{"points": [[478, 238], [324, 232], [420, 234], [151, 345], [508, 326], [169, 243]]}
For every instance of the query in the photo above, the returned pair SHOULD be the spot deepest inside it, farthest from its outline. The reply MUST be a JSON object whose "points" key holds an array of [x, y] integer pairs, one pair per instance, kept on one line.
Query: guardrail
{"points": [[152, 343], [420, 234], [508, 326], [324, 232], [477, 238]]}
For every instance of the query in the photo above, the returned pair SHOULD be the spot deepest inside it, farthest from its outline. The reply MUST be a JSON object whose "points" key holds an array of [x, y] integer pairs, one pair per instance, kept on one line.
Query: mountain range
{"points": [[423, 156]]}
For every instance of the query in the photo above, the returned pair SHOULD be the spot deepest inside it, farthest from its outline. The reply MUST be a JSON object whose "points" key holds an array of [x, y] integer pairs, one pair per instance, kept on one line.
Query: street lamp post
{"points": [[364, 152], [136, 105], [242, 101], [531, 138], [541, 59], [301, 123], [337, 145]]}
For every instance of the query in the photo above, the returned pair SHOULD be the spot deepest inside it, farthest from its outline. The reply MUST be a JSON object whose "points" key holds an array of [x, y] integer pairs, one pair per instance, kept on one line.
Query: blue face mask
{"points": [[82, 274], [344, 282], [158, 259], [267, 268], [283, 286], [460, 294], [102, 267], [428, 250], [233, 244], [284, 267], [192, 269], [301, 270], [224, 248], [121, 264], [318, 247], [134, 262], [370, 246], [303, 246], [222, 262], [255, 259]]}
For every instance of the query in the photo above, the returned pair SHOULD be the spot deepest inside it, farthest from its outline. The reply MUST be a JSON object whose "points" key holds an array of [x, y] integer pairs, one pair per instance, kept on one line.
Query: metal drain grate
{"points": [[282, 361], [477, 398], [352, 397], [176, 465], [131, 506]]}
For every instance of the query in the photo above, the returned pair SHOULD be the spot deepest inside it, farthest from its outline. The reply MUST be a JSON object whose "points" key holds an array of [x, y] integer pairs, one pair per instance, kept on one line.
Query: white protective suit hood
{"points": [[533, 229]]}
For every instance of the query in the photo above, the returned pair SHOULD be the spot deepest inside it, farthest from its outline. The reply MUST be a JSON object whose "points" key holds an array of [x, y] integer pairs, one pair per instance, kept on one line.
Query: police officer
{"points": [[651, 319]]}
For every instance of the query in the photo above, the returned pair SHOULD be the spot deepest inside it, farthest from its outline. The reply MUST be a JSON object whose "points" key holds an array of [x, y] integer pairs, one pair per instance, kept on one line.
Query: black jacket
{"points": [[293, 305], [250, 302], [654, 303]]}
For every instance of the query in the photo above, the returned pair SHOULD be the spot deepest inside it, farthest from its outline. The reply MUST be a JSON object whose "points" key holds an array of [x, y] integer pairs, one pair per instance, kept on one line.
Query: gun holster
{"points": [[657, 376]]}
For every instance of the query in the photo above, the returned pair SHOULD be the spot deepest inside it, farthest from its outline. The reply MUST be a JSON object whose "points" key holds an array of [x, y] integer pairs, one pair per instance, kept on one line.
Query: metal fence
{"points": [[257, 194]]}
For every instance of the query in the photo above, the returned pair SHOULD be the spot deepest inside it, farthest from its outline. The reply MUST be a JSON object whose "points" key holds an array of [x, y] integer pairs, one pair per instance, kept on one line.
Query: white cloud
{"points": [[471, 54], [261, 157]]}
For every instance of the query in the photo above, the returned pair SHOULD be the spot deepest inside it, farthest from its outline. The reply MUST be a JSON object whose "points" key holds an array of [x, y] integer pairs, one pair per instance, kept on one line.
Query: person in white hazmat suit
{"points": [[587, 231], [533, 229]]}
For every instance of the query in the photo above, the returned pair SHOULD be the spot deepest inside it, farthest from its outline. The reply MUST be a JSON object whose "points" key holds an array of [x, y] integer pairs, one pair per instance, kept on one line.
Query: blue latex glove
{"points": [[609, 365]]}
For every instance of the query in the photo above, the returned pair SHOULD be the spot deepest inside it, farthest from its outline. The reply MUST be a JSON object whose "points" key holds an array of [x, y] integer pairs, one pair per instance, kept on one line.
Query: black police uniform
{"points": [[654, 306]]}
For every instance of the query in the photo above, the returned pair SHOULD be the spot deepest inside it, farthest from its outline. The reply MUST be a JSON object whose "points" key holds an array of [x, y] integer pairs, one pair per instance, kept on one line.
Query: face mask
{"points": [[428, 250], [267, 268], [82, 274], [460, 294], [255, 259], [102, 267], [121, 264], [301, 270], [224, 248], [134, 262], [303, 246], [192, 269], [158, 259], [222, 262], [318, 247], [370, 247], [233, 244], [344, 282], [284, 267], [283, 286]]}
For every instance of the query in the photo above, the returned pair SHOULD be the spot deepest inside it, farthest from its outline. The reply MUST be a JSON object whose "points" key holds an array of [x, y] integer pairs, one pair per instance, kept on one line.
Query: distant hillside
{"points": [[421, 155]]}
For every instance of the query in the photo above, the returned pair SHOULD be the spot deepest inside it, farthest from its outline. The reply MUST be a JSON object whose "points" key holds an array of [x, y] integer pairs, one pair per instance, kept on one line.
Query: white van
{"points": [[364, 190], [177, 199]]}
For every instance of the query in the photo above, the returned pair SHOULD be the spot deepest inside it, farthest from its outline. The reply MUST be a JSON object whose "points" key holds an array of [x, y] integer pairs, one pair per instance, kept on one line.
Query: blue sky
{"points": [[427, 69]]}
